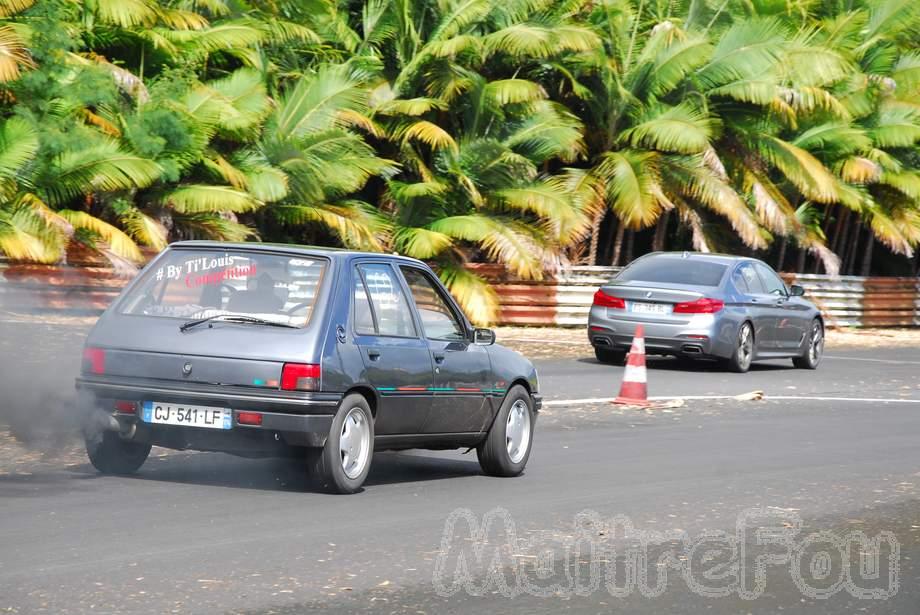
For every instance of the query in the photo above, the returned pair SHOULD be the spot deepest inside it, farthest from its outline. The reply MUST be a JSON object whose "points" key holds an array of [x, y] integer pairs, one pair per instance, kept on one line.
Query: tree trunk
{"points": [[800, 265], [867, 253], [618, 244], [595, 237], [848, 243], [630, 242], [781, 258], [838, 229], [661, 231]]}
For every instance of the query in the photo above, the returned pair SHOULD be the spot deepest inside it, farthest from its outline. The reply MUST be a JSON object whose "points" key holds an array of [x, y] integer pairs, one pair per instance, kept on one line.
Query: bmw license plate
{"points": [[187, 416], [649, 308]]}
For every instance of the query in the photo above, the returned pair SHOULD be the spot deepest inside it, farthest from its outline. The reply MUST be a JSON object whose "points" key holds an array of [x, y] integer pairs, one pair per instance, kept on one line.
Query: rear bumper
{"points": [[288, 419], [701, 335]]}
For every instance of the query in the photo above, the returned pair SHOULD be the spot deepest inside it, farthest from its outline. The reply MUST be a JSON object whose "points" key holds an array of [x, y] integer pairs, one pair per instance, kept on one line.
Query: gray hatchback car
{"points": [[694, 305], [269, 350]]}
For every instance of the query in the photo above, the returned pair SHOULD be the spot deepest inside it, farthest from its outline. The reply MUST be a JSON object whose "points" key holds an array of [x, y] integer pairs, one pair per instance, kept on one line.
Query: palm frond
{"points": [[25, 236], [115, 239], [430, 134], [103, 167], [126, 13], [14, 55], [681, 129], [18, 145], [356, 224], [144, 229], [420, 242], [315, 102], [475, 295], [204, 198]]}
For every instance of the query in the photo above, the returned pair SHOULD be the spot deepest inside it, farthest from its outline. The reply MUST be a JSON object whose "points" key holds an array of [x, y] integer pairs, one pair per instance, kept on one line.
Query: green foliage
{"points": [[456, 130]]}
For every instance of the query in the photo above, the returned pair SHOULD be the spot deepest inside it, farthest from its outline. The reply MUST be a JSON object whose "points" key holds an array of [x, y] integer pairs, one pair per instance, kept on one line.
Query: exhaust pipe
{"points": [[691, 349], [103, 421]]}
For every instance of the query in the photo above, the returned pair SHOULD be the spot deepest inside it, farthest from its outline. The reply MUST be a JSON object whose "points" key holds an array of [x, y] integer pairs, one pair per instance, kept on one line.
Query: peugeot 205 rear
{"points": [[263, 350], [210, 349]]}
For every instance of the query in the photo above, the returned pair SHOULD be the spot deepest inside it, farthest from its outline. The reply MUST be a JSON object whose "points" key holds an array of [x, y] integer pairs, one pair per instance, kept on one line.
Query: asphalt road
{"points": [[208, 533]]}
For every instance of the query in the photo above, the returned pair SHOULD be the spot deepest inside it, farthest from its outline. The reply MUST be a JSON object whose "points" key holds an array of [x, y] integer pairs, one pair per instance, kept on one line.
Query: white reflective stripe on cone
{"points": [[634, 373], [638, 345]]}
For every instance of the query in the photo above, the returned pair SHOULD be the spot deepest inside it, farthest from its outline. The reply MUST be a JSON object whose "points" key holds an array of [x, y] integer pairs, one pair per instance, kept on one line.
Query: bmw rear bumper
{"points": [[702, 335]]}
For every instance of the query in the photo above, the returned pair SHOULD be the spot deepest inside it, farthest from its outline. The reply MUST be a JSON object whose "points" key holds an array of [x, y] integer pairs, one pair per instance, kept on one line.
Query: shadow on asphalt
{"points": [[700, 365], [220, 470]]}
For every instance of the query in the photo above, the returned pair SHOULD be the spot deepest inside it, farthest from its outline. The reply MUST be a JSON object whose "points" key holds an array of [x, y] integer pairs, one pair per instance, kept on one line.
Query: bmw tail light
{"points": [[602, 299], [704, 305], [300, 377], [94, 360]]}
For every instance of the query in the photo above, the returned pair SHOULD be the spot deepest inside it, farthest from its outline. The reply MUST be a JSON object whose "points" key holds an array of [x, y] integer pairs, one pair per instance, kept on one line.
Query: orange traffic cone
{"points": [[633, 391]]}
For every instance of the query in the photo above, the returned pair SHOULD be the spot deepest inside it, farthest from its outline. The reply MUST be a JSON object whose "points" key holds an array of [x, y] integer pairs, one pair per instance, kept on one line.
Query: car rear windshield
{"points": [[192, 284], [673, 271]]}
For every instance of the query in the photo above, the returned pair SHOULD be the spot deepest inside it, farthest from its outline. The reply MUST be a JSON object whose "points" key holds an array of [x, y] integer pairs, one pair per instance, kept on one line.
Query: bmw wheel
{"points": [[610, 356], [814, 347], [506, 449], [344, 462], [741, 358]]}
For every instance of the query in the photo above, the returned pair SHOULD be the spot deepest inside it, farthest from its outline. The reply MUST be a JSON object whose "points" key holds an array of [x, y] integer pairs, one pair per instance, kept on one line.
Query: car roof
{"points": [[725, 259], [289, 248]]}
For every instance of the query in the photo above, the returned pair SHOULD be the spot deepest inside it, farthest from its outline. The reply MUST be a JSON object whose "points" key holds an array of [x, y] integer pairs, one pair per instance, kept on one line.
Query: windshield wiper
{"points": [[237, 318]]}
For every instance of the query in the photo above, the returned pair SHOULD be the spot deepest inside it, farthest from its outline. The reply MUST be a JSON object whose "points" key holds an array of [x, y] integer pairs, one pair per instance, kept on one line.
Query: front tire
{"points": [[344, 462], [814, 347], [506, 449], [741, 358], [609, 356], [110, 454]]}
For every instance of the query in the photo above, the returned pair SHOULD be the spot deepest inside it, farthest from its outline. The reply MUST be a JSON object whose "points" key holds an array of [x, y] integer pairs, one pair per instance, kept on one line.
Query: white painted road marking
{"points": [[604, 400], [872, 360]]}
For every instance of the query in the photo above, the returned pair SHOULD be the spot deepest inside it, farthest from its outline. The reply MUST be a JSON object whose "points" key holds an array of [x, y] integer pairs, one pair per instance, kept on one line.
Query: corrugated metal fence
{"points": [[559, 300]]}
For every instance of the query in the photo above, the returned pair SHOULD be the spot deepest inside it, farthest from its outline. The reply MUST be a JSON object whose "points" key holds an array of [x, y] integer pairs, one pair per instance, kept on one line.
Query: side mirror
{"points": [[796, 291], [483, 337]]}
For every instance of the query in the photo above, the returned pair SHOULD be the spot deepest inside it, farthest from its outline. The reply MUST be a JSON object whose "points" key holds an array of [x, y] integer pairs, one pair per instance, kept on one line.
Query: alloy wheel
{"points": [[517, 431], [354, 443]]}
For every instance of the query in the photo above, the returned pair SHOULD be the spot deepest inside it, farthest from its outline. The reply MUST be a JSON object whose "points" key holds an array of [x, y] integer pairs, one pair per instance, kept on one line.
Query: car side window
{"points": [[363, 314], [751, 279], [739, 281], [438, 321], [771, 281], [391, 311]]}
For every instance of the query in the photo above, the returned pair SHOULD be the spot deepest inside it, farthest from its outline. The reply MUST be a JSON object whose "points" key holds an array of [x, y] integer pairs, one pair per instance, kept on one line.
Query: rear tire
{"points": [[506, 449], [609, 356], [740, 361], [814, 347], [110, 454], [342, 465]]}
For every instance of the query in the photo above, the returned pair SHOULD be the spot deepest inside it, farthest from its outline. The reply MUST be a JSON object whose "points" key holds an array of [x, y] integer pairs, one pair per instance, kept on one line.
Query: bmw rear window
{"points": [[673, 271], [192, 284]]}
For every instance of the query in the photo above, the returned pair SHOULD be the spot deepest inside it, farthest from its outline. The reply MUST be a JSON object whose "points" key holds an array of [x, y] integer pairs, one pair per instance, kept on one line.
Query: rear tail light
{"points": [[94, 360], [300, 377], [126, 407], [700, 306], [604, 300], [249, 418]]}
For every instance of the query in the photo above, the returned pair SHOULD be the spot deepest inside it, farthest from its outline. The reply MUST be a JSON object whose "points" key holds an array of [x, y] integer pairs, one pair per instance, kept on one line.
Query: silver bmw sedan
{"points": [[707, 306]]}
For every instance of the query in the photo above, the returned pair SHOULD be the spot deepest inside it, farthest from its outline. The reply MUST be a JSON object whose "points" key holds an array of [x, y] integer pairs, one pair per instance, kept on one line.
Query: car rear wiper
{"points": [[238, 318]]}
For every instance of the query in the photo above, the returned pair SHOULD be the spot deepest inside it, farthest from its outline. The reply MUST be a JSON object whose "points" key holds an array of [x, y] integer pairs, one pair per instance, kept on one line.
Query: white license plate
{"points": [[649, 308], [187, 416]]}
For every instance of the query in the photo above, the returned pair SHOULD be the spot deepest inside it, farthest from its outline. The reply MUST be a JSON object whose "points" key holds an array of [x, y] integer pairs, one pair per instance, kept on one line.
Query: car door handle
{"points": [[373, 355], [439, 358]]}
